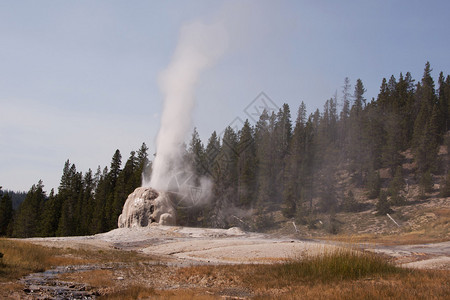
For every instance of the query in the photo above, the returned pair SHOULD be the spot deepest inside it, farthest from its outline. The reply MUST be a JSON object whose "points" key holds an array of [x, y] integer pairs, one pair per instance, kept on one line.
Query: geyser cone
{"points": [[145, 206]]}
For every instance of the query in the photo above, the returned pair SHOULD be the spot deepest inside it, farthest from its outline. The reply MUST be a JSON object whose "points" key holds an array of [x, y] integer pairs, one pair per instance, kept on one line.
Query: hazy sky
{"points": [[79, 79]]}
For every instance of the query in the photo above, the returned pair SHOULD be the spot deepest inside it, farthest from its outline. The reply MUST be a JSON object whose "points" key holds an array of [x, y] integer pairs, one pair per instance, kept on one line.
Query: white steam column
{"points": [[199, 47]]}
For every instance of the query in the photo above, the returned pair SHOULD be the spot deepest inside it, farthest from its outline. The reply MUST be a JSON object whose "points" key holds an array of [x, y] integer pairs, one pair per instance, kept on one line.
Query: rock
{"points": [[235, 231], [145, 206], [167, 219]]}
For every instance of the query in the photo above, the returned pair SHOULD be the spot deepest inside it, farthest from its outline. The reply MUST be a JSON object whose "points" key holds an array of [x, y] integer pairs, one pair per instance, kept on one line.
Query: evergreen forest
{"points": [[282, 163]]}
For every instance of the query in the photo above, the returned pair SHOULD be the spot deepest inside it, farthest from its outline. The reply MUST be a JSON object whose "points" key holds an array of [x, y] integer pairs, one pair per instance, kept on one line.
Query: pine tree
{"points": [[212, 159], [87, 203], [109, 186], [383, 95], [327, 192], [407, 112], [6, 212], [426, 150], [426, 183], [346, 98], [349, 204], [228, 159], [69, 196], [383, 206], [373, 185], [100, 216], [225, 176], [396, 186], [66, 177], [212, 152], [445, 186], [247, 169], [357, 141], [50, 215], [445, 96], [282, 136], [194, 215], [264, 156], [391, 151], [426, 133], [29, 214], [359, 100], [126, 183], [374, 137], [343, 124], [308, 167], [66, 197], [197, 154], [144, 170], [443, 103], [293, 180], [283, 131], [115, 168]]}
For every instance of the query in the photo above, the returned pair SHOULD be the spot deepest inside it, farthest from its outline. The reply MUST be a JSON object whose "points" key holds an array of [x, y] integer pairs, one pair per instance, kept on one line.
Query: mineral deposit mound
{"points": [[145, 206]]}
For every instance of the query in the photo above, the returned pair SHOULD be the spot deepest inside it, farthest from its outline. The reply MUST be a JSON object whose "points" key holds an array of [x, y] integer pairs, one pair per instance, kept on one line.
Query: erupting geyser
{"points": [[199, 46]]}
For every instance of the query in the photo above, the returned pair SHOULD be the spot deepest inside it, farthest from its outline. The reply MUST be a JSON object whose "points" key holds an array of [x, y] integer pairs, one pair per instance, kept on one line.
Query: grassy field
{"points": [[21, 258], [339, 274], [344, 274]]}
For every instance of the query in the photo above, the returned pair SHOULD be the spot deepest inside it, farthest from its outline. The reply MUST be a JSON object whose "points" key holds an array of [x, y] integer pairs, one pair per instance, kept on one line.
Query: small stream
{"points": [[45, 285]]}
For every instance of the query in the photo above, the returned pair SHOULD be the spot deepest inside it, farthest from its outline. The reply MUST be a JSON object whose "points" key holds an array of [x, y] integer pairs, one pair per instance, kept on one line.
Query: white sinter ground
{"points": [[207, 245]]}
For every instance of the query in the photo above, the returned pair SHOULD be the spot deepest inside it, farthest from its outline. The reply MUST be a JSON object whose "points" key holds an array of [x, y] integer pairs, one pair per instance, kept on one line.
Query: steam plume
{"points": [[199, 47]]}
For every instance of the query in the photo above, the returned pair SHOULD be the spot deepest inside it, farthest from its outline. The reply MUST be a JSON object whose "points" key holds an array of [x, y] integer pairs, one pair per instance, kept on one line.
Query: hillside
{"points": [[422, 218]]}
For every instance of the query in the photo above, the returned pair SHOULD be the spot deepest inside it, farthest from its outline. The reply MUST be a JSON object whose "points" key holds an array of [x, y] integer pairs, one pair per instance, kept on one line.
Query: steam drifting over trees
{"points": [[272, 165]]}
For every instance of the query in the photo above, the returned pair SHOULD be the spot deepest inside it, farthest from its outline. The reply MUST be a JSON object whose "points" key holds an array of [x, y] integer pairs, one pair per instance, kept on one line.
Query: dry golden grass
{"points": [[214, 276], [7, 289], [408, 285], [133, 287], [415, 285], [94, 278], [139, 292], [344, 274], [328, 265], [21, 258], [338, 274]]}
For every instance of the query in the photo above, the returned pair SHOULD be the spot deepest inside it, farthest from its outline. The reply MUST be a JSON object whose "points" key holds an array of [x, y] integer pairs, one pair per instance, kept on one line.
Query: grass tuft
{"points": [[331, 265]]}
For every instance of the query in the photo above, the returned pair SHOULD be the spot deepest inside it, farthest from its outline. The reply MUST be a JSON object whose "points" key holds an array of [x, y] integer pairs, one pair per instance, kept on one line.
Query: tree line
{"points": [[85, 204], [272, 165], [278, 164]]}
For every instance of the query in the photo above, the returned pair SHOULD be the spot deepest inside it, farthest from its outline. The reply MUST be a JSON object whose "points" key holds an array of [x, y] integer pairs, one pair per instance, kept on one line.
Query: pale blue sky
{"points": [[78, 79]]}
